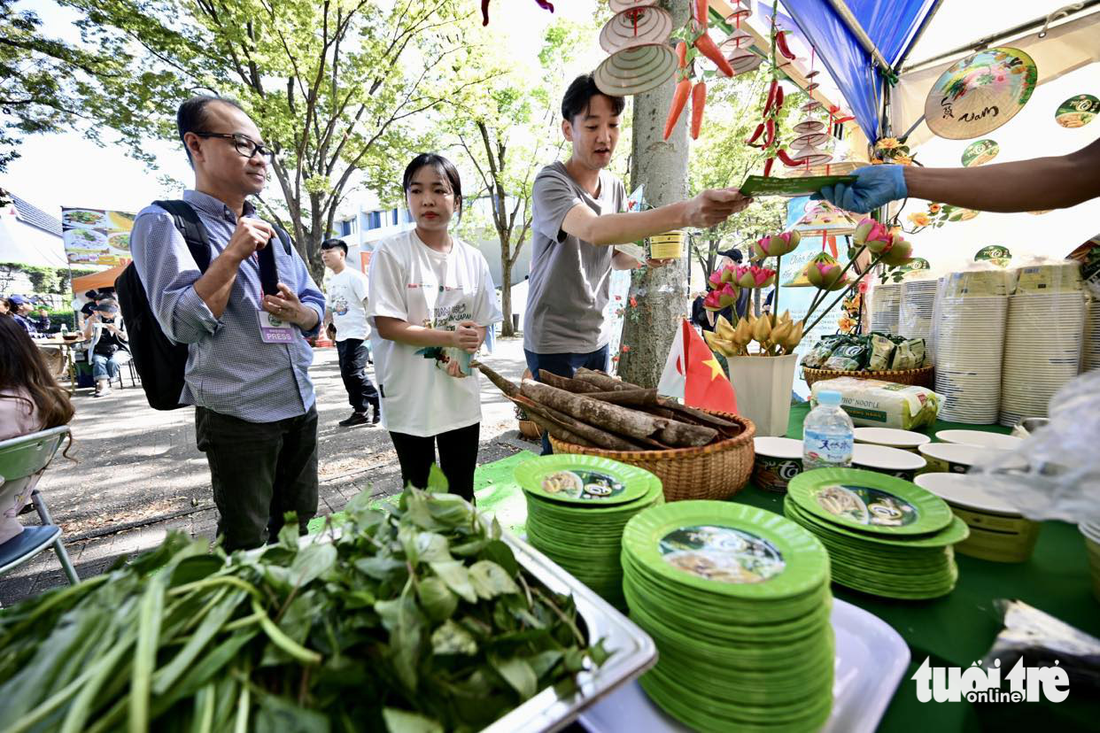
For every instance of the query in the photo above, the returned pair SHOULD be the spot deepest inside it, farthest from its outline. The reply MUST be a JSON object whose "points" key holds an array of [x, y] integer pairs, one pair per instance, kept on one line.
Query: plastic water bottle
{"points": [[827, 434]]}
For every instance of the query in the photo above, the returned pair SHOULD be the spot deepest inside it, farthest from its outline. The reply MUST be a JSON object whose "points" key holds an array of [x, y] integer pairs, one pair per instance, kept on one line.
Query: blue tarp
{"points": [[891, 25]]}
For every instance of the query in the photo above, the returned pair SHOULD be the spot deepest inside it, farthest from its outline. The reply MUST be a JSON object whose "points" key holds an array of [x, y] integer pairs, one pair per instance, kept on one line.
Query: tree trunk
{"points": [[661, 293], [506, 297]]}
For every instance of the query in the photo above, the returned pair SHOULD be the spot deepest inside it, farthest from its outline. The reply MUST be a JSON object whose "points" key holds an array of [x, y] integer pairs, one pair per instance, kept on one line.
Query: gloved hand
{"points": [[875, 186]]}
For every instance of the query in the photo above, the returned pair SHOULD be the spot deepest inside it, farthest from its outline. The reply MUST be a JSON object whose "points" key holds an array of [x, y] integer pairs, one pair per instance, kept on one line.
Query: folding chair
{"points": [[20, 460]]}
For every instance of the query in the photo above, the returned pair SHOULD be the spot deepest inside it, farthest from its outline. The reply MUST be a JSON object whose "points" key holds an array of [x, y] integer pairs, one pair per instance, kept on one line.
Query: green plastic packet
{"points": [[882, 353], [909, 355]]}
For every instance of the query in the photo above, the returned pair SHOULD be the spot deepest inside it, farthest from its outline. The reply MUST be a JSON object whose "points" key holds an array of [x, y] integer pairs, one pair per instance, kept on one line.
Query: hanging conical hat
{"points": [[739, 14], [743, 60], [811, 155], [618, 6], [832, 168], [809, 126], [980, 93], [821, 216], [737, 39], [810, 138], [636, 70], [636, 27]]}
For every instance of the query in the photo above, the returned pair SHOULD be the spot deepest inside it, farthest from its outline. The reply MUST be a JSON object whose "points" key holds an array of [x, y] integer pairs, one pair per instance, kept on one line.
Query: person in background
{"points": [[432, 303], [30, 400], [40, 319], [105, 330], [577, 219], [1026, 185], [4, 309], [248, 361], [20, 309], [347, 310], [88, 308]]}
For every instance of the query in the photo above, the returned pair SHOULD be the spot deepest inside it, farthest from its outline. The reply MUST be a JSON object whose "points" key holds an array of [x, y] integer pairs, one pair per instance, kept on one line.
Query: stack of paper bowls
{"points": [[970, 333], [918, 304], [577, 507], [1046, 326], [737, 599], [885, 536], [885, 307], [1090, 355]]}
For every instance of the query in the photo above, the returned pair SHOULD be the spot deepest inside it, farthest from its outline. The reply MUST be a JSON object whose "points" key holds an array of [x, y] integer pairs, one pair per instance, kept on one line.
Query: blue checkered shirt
{"points": [[230, 369]]}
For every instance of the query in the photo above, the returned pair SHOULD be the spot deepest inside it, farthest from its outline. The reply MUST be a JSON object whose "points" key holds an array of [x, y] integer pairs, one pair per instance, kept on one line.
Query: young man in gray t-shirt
{"points": [[576, 221]]}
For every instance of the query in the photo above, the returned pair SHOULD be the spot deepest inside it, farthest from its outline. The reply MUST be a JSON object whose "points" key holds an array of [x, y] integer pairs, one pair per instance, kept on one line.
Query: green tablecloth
{"points": [[959, 628]]}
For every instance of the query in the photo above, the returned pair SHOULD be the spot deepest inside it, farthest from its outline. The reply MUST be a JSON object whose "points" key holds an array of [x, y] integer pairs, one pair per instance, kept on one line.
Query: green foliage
{"points": [[417, 618]]}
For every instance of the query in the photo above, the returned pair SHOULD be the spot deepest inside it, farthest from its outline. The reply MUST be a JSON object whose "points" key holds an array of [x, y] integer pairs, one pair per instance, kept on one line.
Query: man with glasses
{"points": [[248, 362]]}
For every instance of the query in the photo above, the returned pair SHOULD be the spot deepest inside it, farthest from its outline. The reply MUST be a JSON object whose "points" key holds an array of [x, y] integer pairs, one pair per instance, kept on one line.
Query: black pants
{"points": [[353, 369], [259, 471], [564, 365], [457, 458]]}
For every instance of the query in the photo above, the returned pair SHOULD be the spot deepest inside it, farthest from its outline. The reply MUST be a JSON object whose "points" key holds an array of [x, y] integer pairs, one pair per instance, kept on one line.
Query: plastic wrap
{"points": [[1062, 477], [1043, 641], [968, 341], [1046, 327], [1090, 349], [918, 304], [885, 307], [876, 403]]}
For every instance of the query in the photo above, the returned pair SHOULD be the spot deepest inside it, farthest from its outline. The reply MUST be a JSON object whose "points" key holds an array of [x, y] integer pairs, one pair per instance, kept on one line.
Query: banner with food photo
{"points": [[96, 236]]}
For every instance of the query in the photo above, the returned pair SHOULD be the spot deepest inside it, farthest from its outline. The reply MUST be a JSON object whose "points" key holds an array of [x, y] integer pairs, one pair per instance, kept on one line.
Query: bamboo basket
{"points": [[530, 430], [922, 377], [715, 471]]}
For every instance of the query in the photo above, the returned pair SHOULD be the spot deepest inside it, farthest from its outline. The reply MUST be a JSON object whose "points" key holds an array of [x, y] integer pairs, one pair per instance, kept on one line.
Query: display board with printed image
{"points": [[96, 236]]}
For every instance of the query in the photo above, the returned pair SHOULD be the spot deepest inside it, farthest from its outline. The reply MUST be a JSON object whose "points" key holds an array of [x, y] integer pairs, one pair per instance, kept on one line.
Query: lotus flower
{"points": [[777, 245], [877, 238], [899, 253], [755, 277], [714, 282], [727, 296], [729, 274], [713, 301], [825, 275]]}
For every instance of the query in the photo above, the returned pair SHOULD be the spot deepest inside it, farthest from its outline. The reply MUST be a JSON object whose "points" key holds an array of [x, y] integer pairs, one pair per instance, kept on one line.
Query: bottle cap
{"points": [[828, 397]]}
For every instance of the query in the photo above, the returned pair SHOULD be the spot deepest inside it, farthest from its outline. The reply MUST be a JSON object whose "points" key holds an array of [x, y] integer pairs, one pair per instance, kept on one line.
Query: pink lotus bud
{"points": [[729, 274], [715, 280], [744, 278], [762, 276], [899, 254], [727, 296], [864, 228], [712, 301], [824, 275]]}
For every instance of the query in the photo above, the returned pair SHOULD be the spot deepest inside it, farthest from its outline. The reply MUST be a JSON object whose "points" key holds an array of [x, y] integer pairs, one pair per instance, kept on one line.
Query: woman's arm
{"points": [[394, 329]]}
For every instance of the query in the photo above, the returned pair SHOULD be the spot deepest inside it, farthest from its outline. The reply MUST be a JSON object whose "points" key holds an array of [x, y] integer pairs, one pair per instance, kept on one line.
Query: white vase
{"points": [[763, 385]]}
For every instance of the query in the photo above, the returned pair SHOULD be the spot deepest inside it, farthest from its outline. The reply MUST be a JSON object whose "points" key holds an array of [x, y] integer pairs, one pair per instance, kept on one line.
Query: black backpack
{"points": [[160, 361]]}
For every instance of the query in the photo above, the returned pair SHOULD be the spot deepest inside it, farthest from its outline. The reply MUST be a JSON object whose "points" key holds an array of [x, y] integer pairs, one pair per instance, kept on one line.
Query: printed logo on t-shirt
{"points": [[340, 306]]}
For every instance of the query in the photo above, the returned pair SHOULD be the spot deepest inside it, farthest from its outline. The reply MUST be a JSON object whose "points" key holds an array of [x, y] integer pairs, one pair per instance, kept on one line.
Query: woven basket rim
{"points": [[919, 370], [747, 433]]}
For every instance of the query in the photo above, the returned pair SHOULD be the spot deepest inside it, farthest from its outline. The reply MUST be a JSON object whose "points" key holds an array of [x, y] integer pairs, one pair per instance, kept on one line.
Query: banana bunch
{"points": [[775, 334]]}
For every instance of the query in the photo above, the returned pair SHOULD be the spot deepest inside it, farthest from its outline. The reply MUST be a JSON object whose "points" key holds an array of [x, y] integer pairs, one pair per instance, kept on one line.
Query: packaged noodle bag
{"points": [[851, 356], [822, 350], [909, 355], [876, 403], [882, 353]]}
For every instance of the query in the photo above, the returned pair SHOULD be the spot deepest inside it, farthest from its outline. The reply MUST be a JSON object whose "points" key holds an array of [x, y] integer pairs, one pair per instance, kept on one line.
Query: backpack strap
{"points": [[192, 229]]}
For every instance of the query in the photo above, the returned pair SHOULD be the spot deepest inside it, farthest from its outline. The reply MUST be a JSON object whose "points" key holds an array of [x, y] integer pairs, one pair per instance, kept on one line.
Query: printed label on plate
{"points": [[722, 554], [864, 505], [581, 484]]}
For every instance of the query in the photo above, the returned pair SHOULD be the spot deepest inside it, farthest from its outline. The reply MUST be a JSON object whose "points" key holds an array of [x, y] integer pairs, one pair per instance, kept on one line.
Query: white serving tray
{"points": [[871, 659]]}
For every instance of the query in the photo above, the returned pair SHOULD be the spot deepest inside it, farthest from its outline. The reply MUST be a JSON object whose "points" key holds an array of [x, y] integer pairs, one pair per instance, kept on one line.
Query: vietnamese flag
{"points": [[693, 374]]}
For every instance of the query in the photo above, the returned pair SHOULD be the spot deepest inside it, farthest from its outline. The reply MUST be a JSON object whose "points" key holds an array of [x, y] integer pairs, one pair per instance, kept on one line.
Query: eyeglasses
{"points": [[244, 146]]}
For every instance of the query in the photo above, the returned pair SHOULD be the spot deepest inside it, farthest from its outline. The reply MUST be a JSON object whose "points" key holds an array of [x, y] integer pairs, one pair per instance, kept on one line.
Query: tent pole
{"points": [[854, 26], [920, 32]]}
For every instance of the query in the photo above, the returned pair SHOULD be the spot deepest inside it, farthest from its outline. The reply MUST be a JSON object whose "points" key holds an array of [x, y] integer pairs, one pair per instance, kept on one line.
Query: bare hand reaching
{"points": [[713, 206]]}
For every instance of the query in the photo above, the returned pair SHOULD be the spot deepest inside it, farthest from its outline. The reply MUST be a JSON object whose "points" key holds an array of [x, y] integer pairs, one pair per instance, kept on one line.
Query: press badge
{"points": [[274, 330]]}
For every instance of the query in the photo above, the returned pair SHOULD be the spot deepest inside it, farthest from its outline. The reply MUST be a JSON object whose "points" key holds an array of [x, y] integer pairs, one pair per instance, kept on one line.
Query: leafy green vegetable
{"points": [[416, 619]]}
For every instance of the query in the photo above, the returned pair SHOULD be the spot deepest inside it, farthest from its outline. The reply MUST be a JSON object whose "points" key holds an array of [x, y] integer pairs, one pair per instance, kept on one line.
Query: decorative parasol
{"points": [[821, 216], [980, 93], [980, 152], [636, 70], [636, 27]]}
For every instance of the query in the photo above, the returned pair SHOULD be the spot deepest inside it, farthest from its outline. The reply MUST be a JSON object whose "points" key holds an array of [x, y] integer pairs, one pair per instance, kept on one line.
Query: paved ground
{"points": [[136, 474]]}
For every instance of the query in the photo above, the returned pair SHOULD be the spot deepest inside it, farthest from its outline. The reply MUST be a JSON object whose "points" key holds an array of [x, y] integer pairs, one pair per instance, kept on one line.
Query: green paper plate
{"points": [[870, 502], [727, 549], [956, 531], [588, 480]]}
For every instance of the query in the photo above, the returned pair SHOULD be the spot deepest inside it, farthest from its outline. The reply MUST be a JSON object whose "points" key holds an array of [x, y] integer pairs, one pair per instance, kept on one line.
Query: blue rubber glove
{"points": [[875, 186]]}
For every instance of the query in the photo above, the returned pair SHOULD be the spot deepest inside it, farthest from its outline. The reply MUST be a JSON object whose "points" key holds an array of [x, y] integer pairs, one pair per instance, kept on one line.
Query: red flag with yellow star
{"points": [[693, 374]]}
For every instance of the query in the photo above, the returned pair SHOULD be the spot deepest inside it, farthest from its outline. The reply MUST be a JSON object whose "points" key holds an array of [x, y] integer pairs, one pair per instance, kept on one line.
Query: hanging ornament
{"points": [[635, 70], [980, 93], [618, 6], [636, 27]]}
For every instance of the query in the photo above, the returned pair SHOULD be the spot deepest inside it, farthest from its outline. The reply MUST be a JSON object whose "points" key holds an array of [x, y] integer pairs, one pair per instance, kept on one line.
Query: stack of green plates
{"points": [[577, 507], [737, 599], [886, 536]]}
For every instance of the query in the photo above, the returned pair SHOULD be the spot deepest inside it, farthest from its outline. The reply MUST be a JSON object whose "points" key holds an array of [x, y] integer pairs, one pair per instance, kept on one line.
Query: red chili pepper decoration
{"points": [[700, 8], [781, 44], [681, 54], [698, 101], [778, 98], [769, 138], [679, 100], [768, 167], [787, 159], [756, 134], [707, 47], [771, 96]]}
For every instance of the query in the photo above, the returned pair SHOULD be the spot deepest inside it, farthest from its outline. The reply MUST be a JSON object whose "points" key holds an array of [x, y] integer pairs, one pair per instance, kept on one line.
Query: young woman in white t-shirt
{"points": [[431, 297]]}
